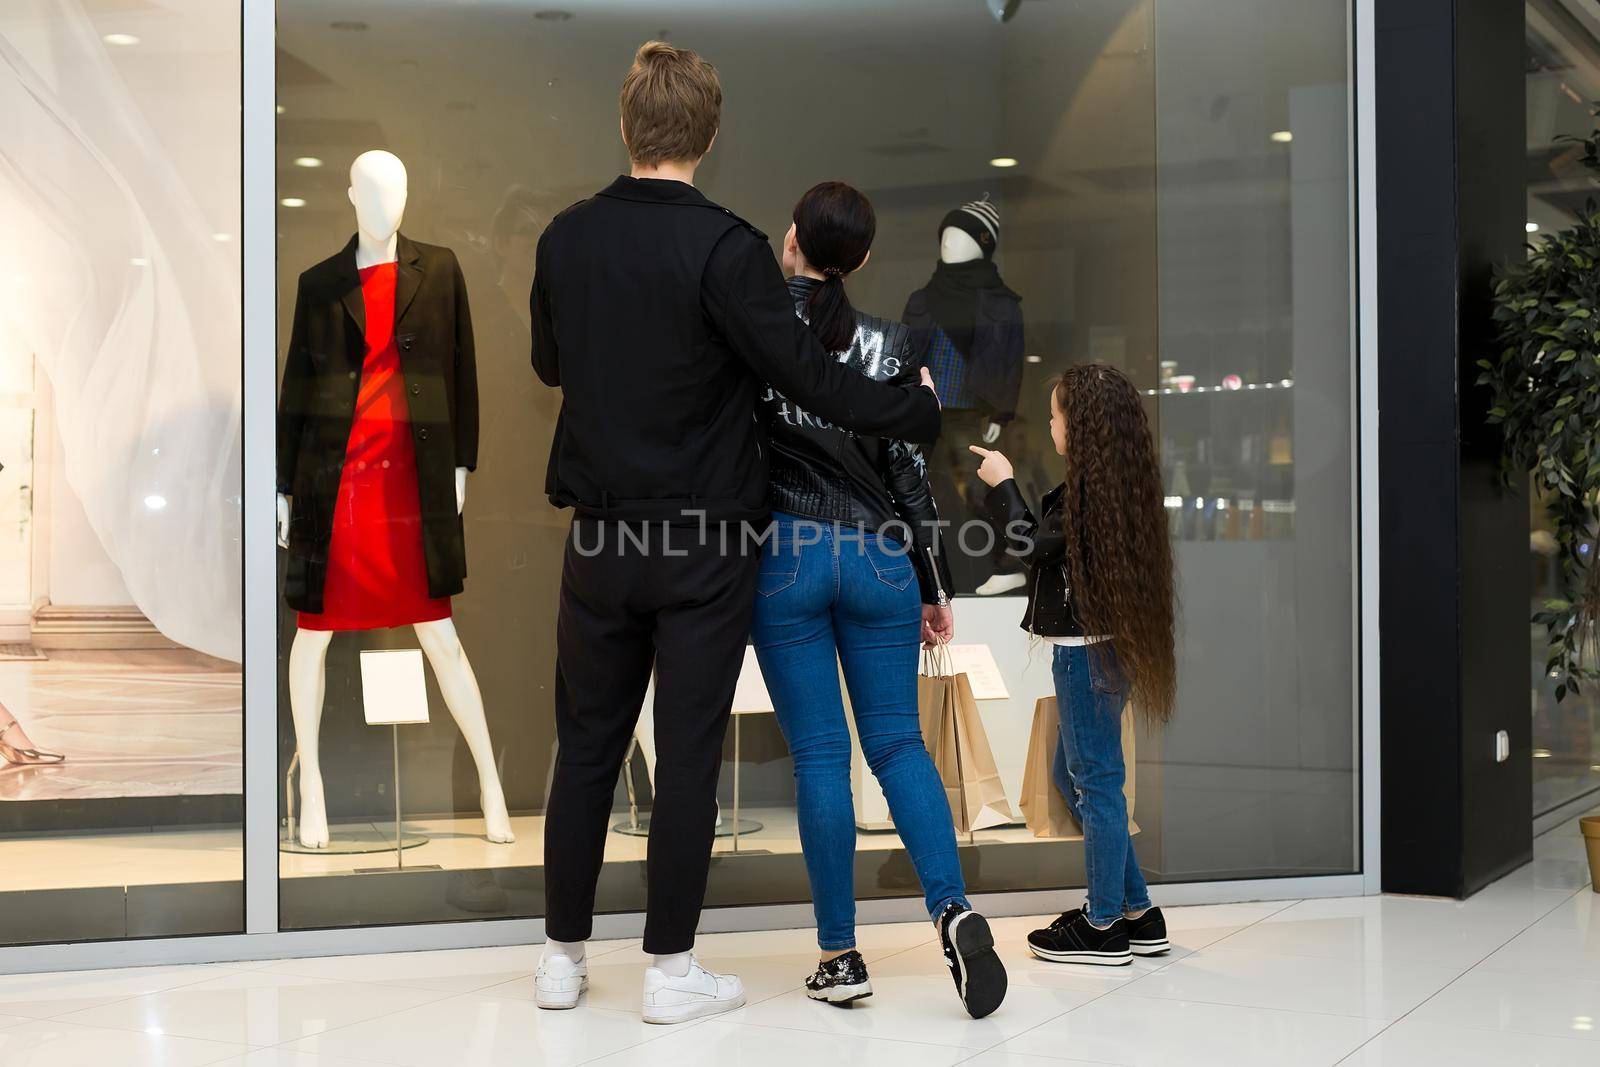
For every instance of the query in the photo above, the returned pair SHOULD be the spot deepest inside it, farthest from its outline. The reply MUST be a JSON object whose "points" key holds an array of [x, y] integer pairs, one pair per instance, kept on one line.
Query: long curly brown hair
{"points": [[1118, 552]]}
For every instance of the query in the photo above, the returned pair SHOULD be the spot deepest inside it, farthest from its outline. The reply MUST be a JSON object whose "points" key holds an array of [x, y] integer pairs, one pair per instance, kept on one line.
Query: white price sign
{"points": [[393, 690], [977, 663]]}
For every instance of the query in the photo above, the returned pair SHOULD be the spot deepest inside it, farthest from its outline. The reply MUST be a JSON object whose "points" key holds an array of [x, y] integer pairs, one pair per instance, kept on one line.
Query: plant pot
{"points": [[1589, 825]]}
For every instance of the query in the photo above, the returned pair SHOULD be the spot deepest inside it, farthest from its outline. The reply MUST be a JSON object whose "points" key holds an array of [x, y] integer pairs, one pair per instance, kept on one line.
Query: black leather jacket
{"points": [[1042, 546], [822, 471]]}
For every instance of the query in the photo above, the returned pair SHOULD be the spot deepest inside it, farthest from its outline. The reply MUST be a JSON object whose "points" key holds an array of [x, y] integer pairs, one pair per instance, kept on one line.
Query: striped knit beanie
{"points": [[980, 219]]}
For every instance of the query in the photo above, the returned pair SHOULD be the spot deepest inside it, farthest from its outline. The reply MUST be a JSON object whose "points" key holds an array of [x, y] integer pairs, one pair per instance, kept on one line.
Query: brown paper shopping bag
{"points": [[1044, 809], [953, 732]]}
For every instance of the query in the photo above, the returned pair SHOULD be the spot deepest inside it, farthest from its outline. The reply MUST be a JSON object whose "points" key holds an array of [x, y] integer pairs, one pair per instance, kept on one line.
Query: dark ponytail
{"points": [[834, 225]]}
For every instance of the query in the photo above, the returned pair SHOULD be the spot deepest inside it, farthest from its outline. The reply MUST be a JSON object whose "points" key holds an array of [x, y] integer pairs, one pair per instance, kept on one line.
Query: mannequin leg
{"points": [[308, 658], [460, 688]]}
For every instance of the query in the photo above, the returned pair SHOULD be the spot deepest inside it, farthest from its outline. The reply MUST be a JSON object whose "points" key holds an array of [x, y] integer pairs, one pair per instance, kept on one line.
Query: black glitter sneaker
{"points": [[1073, 939], [1147, 935], [979, 975], [842, 980]]}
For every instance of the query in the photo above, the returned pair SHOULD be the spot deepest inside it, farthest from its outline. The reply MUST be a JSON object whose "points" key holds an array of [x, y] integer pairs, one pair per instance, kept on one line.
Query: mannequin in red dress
{"points": [[377, 576]]}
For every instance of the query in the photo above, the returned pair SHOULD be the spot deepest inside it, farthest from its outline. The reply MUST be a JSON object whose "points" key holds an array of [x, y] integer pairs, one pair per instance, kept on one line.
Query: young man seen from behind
{"points": [[661, 316]]}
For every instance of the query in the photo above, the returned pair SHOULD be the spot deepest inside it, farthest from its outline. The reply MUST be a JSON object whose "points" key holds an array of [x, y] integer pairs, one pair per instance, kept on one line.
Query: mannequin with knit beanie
{"points": [[967, 328]]}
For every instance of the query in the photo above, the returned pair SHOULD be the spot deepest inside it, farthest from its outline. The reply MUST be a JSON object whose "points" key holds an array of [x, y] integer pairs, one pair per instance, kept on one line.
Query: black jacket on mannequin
{"points": [[662, 316], [822, 471], [994, 362], [321, 378]]}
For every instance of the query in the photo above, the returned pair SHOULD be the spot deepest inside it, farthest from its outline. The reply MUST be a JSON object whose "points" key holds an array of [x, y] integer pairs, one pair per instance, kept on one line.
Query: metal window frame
{"points": [[262, 937]]}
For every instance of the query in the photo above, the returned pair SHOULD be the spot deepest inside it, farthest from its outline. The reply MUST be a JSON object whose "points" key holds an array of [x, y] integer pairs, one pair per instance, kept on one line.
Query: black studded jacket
{"points": [[820, 470]]}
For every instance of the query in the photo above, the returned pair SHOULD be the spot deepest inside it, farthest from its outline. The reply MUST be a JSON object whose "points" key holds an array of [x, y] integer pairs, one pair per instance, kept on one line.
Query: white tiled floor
{"points": [[1511, 976]]}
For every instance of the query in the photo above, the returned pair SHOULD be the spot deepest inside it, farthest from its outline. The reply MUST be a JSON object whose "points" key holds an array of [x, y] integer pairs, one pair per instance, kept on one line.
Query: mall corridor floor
{"points": [[1511, 976]]}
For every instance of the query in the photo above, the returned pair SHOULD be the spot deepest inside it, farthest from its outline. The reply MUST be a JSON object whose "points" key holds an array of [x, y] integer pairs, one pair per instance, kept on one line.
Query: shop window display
{"points": [[1071, 185], [120, 578], [1563, 77]]}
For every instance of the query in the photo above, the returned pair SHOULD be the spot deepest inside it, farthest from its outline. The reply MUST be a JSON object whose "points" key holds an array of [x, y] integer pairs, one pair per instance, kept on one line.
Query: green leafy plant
{"points": [[1545, 383]]}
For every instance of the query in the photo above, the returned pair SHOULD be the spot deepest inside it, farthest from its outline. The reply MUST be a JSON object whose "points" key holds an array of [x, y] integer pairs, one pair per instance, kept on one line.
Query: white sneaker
{"points": [[558, 983], [1002, 583], [697, 994]]}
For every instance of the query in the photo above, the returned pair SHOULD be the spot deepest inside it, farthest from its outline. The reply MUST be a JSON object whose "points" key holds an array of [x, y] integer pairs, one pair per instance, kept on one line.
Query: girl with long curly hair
{"points": [[1099, 591]]}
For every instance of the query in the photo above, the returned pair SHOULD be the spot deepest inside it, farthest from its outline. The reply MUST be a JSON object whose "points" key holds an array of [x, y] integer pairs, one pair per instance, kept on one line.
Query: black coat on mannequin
{"points": [[322, 375]]}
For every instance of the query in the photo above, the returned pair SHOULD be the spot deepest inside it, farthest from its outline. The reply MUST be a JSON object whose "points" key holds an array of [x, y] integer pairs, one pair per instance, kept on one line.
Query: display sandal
{"points": [[24, 757]]}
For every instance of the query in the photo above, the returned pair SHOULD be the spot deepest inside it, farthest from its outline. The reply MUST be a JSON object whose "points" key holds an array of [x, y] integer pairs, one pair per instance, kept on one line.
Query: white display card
{"points": [[393, 690], [977, 663], [750, 696]]}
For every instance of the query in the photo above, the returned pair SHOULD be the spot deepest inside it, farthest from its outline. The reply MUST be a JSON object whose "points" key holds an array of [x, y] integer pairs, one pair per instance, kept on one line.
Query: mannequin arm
{"points": [[283, 521], [461, 489]]}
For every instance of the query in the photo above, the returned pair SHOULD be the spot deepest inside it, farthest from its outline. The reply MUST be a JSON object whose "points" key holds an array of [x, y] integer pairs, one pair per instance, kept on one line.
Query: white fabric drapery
{"points": [[112, 279]]}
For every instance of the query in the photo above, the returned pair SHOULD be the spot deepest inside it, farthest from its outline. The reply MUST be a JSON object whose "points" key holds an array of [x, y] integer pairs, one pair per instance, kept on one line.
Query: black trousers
{"points": [[685, 607]]}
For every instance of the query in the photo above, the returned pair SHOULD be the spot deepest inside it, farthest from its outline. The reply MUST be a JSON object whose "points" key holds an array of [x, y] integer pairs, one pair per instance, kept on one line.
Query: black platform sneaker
{"points": [[842, 980], [979, 975], [1072, 939], [1147, 935]]}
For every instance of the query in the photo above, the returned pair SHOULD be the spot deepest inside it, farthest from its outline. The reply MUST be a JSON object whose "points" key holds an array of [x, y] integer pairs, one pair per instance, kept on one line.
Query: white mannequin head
{"points": [[957, 246], [378, 191]]}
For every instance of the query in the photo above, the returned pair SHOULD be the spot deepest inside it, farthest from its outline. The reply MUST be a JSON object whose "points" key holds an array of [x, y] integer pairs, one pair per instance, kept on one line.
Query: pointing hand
{"points": [[995, 468]]}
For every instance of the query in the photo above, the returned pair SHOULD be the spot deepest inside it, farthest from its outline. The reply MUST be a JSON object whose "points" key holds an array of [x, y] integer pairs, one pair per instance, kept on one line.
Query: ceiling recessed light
{"points": [[307, 161], [1532, 227], [222, 238], [155, 502], [348, 25], [292, 201], [1541, 753], [281, 109], [1035, 359], [1002, 161], [1282, 137], [125, 40], [138, 261]]}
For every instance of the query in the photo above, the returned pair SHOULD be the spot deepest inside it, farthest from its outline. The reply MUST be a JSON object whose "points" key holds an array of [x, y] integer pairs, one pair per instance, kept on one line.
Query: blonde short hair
{"points": [[671, 104]]}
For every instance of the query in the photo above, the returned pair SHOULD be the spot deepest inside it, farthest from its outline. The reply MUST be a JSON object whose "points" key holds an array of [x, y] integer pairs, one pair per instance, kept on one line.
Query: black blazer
{"points": [[321, 378], [661, 316]]}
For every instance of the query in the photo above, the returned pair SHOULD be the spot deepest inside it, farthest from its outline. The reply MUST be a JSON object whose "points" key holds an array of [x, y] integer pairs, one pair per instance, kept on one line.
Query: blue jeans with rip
{"points": [[824, 591], [1088, 769]]}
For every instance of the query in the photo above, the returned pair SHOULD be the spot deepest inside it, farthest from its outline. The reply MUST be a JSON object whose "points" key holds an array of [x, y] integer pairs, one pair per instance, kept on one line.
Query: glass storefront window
{"points": [[1173, 189], [121, 726], [1563, 82]]}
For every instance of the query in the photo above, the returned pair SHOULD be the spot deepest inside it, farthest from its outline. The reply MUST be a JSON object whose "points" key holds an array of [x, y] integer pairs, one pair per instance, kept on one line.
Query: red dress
{"points": [[377, 576]]}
